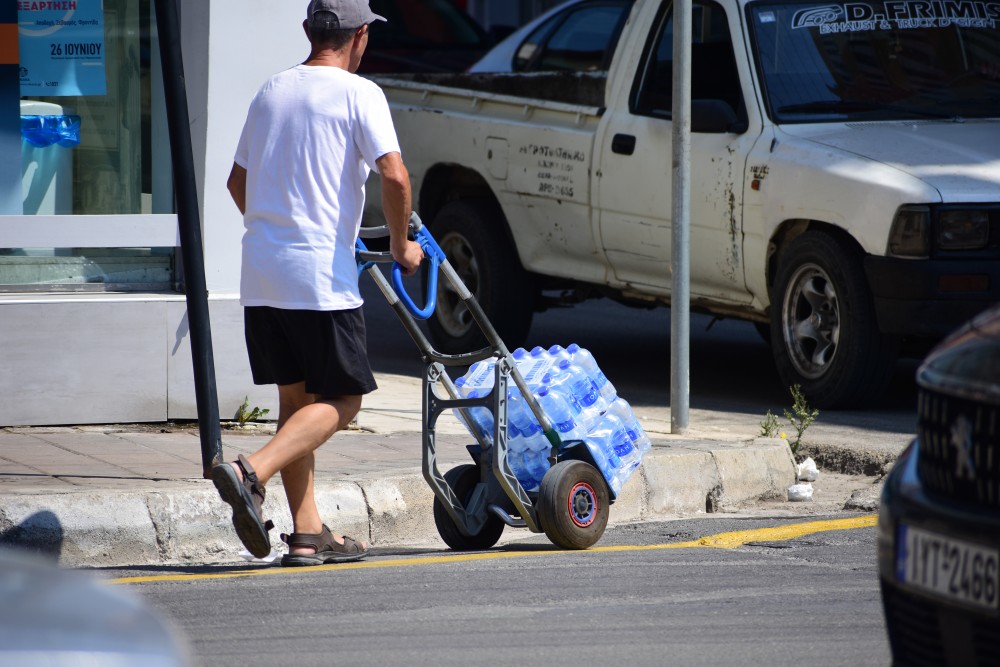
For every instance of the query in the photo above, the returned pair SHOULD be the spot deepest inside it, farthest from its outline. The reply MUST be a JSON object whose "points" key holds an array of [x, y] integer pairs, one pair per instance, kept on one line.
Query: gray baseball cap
{"points": [[343, 14]]}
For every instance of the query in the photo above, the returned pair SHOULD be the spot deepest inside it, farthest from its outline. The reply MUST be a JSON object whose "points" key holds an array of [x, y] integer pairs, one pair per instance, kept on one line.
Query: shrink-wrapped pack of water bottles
{"points": [[577, 398]]}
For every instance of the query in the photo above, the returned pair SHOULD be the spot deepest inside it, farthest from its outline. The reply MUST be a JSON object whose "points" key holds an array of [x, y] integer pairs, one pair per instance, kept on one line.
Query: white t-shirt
{"points": [[311, 137]]}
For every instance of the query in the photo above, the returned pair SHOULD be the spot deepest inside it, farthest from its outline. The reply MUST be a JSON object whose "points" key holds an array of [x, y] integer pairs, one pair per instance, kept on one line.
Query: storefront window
{"points": [[94, 148]]}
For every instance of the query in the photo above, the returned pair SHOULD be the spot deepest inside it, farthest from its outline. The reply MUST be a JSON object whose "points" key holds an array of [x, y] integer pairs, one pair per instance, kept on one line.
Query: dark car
{"points": [[422, 36], [939, 523]]}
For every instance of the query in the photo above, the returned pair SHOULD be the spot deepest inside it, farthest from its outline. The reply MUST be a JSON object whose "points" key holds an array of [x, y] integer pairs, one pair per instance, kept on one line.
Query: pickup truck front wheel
{"points": [[824, 334], [471, 235]]}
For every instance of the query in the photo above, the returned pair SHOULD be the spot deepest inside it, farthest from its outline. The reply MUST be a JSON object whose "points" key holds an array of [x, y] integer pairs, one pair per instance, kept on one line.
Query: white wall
{"points": [[84, 359], [247, 41], [102, 358]]}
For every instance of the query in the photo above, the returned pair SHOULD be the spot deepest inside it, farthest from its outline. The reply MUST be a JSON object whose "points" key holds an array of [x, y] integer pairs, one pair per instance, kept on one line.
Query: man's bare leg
{"points": [[305, 421]]}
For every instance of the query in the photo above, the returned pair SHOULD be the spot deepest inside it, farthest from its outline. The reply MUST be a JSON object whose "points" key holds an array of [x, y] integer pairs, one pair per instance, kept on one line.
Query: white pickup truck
{"points": [[845, 161]]}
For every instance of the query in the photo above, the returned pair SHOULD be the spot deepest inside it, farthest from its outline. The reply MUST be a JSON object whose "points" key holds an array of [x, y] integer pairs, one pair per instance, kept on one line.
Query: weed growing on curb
{"points": [[244, 415], [769, 426], [800, 417]]}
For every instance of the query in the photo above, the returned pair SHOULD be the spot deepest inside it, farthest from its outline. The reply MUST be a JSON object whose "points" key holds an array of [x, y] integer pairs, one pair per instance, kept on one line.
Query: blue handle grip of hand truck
{"points": [[359, 247], [433, 253]]}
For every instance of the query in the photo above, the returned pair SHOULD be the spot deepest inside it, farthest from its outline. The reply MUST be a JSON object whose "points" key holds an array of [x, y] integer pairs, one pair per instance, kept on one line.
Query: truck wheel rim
{"points": [[582, 504], [452, 313], [811, 321]]}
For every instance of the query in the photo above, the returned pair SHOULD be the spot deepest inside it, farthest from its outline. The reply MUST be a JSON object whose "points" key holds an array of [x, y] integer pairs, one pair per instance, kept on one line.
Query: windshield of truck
{"points": [[888, 60]]}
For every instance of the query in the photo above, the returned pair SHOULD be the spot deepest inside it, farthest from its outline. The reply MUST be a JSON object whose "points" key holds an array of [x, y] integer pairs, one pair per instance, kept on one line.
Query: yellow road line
{"points": [[730, 540]]}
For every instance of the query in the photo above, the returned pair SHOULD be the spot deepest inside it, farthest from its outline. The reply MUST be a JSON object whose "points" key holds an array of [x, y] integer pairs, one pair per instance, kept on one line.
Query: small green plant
{"points": [[801, 416], [244, 414], [769, 427]]}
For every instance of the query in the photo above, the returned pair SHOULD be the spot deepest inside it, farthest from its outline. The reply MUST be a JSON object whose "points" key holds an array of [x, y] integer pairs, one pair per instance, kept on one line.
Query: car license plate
{"points": [[954, 569]]}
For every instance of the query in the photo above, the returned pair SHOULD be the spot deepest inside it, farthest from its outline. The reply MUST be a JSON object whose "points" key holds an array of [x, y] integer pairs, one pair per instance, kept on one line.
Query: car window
{"points": [[579, 39], [424, 23], [714, 75]]}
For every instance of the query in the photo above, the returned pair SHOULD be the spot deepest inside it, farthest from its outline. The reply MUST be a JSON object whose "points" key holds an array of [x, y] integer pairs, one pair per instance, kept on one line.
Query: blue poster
{"points": [[61, 47]]}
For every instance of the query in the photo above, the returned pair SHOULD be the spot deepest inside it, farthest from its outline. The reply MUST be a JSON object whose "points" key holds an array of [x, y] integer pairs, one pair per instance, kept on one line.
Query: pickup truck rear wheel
{"points": [[824, 333], [471, 235]]}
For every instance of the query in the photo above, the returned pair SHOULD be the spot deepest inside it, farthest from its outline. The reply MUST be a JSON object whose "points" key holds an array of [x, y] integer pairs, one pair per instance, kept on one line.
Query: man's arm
{"points": [[396, 203], [237, 185]]}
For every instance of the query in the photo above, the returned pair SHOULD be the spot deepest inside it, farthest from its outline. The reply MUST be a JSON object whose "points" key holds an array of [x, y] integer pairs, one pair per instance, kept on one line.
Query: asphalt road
{"points": [[645, 596]]}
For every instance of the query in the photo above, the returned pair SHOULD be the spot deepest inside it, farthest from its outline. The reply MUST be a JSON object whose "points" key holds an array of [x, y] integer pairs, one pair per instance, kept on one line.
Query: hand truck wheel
{"points": [[573, 504], [462, 480]]}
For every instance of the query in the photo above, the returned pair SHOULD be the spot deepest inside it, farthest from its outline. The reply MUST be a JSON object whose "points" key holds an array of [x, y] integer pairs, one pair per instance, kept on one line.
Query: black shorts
{"points": [[325, 349]]}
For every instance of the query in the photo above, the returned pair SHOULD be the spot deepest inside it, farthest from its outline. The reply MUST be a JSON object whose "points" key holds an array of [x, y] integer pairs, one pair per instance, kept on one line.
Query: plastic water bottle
{"points": [[480, 374], [621, 409], [585, 360], [612, 435], [573, 380], [470, 421], [623, 443], [558, 353], [518, 466], [520, 356], [608, 462], [481, 417], [519, 414], [558, 410], [534, 366], [537, 464]]}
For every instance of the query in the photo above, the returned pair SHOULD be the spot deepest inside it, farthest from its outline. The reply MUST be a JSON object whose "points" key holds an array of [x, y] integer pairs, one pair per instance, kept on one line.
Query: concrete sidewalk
{"points": [[133, 495]]}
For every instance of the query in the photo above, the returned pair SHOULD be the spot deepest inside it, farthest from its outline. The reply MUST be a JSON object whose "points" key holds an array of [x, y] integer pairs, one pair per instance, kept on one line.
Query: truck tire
{"points": [[472, 237], [824, 332]]}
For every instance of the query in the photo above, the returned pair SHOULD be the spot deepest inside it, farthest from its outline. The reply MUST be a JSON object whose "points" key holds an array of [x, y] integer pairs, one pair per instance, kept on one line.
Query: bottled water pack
{"points": [[577, 398]]}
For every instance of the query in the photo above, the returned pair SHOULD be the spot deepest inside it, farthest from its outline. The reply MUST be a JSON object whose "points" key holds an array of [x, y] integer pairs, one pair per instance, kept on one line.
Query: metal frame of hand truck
{"points": [[468, 517]]}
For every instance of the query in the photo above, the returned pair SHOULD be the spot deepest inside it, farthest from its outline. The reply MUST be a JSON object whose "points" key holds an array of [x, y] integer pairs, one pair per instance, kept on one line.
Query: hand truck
{"points": [[474, 502]]}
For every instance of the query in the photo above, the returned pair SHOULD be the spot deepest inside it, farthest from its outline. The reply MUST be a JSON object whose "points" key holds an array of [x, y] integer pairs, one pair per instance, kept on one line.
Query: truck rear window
{"points": [[888, 60]]}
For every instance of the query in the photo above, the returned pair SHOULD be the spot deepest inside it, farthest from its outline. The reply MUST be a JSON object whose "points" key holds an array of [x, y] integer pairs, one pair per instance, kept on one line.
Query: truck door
{"points": [[633, 181]]}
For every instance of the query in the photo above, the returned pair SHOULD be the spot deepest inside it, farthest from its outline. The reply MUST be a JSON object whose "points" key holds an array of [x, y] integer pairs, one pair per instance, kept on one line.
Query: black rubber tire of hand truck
{"points": [[573, 505], [462, 480]]}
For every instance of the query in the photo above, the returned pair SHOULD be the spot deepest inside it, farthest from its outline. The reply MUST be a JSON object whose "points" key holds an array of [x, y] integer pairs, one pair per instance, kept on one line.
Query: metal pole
{"points": [[189, 223], [680, 305]]}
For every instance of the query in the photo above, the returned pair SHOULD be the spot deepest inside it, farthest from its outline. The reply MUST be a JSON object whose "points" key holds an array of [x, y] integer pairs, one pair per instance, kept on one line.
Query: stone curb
{"points": [[186, 523]]}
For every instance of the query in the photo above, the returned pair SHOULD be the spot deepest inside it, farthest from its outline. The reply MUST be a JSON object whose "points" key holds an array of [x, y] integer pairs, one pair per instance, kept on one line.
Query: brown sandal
{"points": [[246, 497], [328, 550]]}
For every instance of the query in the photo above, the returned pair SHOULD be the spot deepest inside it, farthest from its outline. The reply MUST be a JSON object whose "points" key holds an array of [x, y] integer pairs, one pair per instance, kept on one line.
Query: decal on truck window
{"points": [[897, 15]]}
